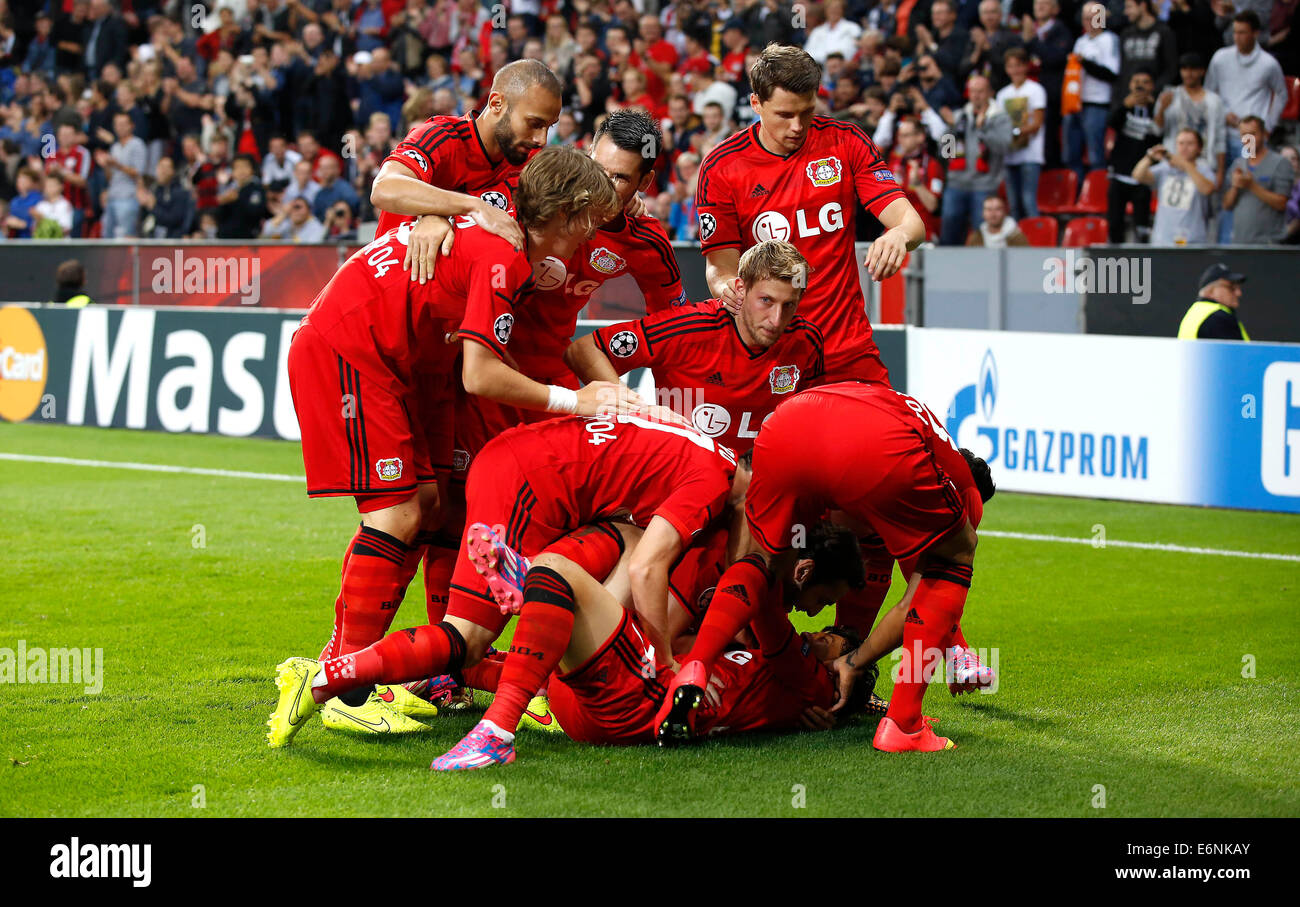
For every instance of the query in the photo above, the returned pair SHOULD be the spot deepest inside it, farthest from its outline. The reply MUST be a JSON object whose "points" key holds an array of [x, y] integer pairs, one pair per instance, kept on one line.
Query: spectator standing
{"points": [[1147, 43], [1025, 102], [125, 162], [168, 206], [279, 162], [918, 173], [1183, 185], [1258, 188], [1135, 132], [1048, 41], [333, 189], [242, 205], [1250, 82], [302, 185], [1193, 106], [979, 136], [948, 43], [1098, 50], [989, 42], [104, 39], [835, 34]]}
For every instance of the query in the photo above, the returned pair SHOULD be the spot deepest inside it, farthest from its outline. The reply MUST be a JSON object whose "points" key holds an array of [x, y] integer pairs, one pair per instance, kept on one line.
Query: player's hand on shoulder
{"points": [[607, 398], [664, 414], [730, 299], [636, 207], [494, 220], [430, 237]]}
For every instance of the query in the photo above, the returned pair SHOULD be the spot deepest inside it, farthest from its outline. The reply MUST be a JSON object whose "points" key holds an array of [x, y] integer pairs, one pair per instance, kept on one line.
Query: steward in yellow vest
{"points": [[1213, 316]]}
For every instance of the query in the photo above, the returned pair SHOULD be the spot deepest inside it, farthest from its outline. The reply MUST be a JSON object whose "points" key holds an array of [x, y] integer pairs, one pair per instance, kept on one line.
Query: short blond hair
{"points": [[562, 181], [774, 260]]}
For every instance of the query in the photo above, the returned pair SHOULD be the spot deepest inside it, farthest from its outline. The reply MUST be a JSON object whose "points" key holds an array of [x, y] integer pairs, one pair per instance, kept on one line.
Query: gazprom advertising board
{"points": [[1210, 423]]}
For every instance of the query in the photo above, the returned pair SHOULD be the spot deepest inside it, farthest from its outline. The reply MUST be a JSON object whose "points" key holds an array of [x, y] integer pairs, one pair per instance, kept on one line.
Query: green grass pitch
{"points": [[1119, 667]]}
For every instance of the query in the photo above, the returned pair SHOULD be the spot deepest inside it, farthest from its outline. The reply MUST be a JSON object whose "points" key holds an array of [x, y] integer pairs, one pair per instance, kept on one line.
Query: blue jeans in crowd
{"points": [[1231, 153], [963, 210], [1086, 128], [1022, 189], [121, 218]]}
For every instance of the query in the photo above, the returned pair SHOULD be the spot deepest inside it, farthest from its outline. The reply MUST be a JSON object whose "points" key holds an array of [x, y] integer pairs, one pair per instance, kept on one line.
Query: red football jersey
{"points": [[384, 324], [548, 318], [926, 171], [629, 466], [766, 691], [74, 160], [748, 194], [696, 574], [705, 372], [448, 152]]}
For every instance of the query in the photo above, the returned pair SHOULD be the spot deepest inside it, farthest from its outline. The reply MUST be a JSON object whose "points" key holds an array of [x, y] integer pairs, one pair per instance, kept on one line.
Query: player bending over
{"points": [[538, 483], [366, 432], [612, 679], [884, 459]]}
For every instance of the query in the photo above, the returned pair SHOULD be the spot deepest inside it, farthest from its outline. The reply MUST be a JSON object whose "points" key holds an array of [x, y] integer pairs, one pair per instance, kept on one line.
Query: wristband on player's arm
{"points": [[562, 399]]}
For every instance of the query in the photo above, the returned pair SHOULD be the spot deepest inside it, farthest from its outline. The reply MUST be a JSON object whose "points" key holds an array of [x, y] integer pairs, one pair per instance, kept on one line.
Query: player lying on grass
{"points": [[612, 678], [366, 432], [884, 459], [725, 372], [538, 483]]}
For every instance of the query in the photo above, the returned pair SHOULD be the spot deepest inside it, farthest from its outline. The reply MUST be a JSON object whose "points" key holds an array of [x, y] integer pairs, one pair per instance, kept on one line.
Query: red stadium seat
{"points": [[1086, 231], [1093, 195], [1057, 190], [1040, 231], [1292, 109]]}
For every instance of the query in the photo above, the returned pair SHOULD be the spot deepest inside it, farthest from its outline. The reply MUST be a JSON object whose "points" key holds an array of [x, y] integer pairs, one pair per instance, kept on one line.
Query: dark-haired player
{"points": [[612, 677], [886, 460], [800, 178], [445, 165], [352, 367], [534, 485], [725, 372]]}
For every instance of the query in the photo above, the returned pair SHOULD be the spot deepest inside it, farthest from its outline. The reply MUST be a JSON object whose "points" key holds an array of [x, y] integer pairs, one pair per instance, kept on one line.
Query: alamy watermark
{"points": [[65, 666], [1099, 274]]}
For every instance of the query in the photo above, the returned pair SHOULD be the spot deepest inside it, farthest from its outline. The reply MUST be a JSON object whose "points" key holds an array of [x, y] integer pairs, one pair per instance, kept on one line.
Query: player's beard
{"points": [[508, 143]]}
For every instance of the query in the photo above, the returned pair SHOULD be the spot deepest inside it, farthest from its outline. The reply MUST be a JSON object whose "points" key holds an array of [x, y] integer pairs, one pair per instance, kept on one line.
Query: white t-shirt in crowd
{"points": [[1019, 103]]}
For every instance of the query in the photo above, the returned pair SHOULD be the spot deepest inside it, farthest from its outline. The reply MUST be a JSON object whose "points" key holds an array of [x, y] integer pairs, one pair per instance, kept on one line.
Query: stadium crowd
{"points": [[238, 119]]}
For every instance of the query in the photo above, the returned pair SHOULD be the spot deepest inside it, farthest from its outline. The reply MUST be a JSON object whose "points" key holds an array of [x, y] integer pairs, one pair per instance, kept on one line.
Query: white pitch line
{"points": [[988, 533], [1146, 546], [153, 467]]}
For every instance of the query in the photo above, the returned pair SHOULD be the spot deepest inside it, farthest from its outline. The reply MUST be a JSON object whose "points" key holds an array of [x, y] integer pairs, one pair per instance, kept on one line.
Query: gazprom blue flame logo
{"points": [[984, 394]]}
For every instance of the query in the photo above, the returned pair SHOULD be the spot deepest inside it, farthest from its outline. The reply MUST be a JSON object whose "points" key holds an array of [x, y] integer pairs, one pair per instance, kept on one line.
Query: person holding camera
{"points": [[1183, 186]]}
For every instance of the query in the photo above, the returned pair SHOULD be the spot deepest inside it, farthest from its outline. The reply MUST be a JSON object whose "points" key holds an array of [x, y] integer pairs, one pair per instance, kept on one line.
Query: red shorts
{"points": [[614, 696], [499, 495], [857, 448], [433, 418], [358, 438]]}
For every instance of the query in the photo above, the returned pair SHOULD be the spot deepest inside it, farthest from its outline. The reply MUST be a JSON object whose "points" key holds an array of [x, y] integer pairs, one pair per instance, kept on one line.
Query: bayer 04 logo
{"points": [[624, 344]]}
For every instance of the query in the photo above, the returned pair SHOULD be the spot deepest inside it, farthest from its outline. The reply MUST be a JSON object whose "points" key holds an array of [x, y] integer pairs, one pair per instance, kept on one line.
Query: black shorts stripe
{"points": [[355, 465], [361, 430], [521, 516], [600, 652], [474, 593], [655, 690]]}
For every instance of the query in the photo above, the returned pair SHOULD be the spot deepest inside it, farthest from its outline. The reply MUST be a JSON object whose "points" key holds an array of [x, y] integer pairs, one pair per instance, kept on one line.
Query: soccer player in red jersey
{"points": [[352, 364], [724, 372], [799, 178], [613, 677], [536, 484], [446, 164], [885, 460]]}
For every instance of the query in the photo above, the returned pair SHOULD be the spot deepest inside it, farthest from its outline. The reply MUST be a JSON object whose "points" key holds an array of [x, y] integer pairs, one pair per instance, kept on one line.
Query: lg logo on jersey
{"points": [[772, 225], [714, 420]]}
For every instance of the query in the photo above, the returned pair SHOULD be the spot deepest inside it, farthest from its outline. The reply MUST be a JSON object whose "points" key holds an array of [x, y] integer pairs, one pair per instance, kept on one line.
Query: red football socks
{"points": [[541, 636], [595, 548], [928, 629], [740, 592], [439, 562], [397, 658]]}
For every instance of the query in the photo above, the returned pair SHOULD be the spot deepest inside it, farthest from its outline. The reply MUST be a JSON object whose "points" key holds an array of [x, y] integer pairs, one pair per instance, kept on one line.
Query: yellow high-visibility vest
{"points": [[1196, 315], [80, 301]]}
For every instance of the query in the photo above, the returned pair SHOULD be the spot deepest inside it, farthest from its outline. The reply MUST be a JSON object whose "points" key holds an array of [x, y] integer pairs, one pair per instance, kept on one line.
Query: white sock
{"points": [[500, 732]]}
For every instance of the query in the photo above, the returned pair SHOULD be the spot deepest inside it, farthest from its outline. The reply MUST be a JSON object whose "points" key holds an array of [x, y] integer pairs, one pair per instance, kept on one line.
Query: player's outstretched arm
{"points": [[720, 271], [395, 190], [589, 361], [485, 375], [904, 231], [648, 575]]}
